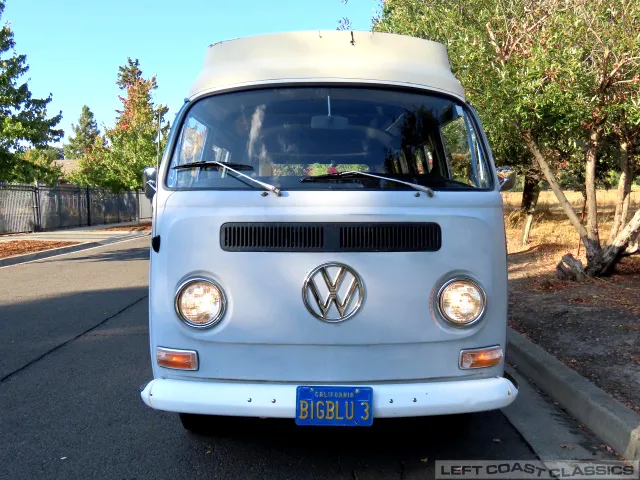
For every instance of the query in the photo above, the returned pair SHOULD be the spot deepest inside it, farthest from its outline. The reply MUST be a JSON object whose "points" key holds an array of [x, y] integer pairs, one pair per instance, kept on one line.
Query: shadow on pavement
{"points": [[386, 436], [107, 256], [30, 329]]}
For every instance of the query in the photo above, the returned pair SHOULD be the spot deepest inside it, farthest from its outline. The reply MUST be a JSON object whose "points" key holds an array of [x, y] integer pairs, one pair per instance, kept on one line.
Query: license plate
{"points": [[334, 406]]}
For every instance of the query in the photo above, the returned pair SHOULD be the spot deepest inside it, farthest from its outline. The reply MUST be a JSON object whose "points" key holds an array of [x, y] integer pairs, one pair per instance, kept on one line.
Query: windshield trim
{"points": [[175, 134]]}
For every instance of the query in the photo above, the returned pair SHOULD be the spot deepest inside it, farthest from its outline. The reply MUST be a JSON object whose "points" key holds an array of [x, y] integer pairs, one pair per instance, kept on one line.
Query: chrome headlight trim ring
{"points": [[439, 302], [223, 301]]}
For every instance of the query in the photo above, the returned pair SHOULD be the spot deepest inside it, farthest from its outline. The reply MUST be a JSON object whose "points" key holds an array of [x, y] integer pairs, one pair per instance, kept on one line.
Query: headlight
{"points": [[461, 302], [200, 303]]}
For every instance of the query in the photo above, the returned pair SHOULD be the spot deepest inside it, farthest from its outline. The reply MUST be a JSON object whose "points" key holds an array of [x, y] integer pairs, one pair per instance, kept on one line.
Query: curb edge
{"points": [[613, 422], [52, 252]]}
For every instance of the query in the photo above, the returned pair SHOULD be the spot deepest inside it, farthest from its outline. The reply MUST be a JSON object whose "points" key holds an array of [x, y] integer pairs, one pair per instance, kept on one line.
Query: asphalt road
{"points": [[74, 352]]}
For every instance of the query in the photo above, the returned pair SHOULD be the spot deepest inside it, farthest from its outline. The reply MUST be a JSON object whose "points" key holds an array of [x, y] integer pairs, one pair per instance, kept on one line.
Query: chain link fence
{"points": [[26, 208]]}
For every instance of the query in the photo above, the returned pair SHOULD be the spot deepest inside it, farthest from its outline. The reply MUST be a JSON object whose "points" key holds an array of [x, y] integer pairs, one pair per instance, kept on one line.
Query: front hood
{"points": [[264, 290]]}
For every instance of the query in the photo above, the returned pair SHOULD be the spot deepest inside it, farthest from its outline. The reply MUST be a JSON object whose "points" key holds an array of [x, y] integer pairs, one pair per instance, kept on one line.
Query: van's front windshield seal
{"points": [[281, 135]]}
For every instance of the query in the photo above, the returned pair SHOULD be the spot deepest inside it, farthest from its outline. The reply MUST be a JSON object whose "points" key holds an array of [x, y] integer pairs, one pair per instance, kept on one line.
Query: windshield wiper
{"points": [[227, 166], [351, 174], [214, 164]]}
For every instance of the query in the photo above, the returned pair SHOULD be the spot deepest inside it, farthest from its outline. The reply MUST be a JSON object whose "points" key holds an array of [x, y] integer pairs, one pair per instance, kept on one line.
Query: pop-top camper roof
{"points": [[333, 55]]}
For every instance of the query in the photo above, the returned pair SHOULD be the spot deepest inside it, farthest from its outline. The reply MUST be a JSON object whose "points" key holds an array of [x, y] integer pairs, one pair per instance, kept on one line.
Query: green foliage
{"points": [[84, 135], [23, 119], [37, 164], [116, 161], [314, 169], [322, 168], [556, 68]]}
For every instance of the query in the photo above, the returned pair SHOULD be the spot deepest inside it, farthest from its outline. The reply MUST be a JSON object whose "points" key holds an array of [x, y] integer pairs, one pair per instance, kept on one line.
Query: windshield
{"points": [[282, 135]]}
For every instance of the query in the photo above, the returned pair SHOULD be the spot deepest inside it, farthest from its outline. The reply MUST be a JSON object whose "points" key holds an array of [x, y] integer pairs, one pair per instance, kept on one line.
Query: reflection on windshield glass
{"points": [[289, 133]]}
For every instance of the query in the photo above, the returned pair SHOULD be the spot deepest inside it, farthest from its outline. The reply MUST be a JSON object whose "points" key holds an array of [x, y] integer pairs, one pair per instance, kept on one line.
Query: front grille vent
{"points": [[277, 237], [330, 237], [390, 238]]}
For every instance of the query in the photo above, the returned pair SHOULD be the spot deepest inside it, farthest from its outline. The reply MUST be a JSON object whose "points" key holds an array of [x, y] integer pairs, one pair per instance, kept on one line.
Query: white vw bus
{"points": [[328, 241]]}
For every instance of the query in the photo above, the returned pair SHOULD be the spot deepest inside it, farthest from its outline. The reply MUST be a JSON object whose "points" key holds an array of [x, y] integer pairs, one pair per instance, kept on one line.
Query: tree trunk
{"points": [[553, 183], [528, 222], [568, 267], [624, 190], [530, 196], [590, 184], [614, 252], [633, 246], [530, 191], [584, 205], [625, 208], [634, 243]]}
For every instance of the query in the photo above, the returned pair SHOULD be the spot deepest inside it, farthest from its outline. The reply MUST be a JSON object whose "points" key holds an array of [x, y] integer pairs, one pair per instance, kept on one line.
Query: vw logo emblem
{"points": [[333, 292]]}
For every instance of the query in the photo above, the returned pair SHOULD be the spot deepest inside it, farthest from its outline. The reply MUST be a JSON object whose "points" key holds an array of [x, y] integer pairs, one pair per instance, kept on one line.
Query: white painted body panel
{"points": [[278, 400], [268, 335], [328, 56]]}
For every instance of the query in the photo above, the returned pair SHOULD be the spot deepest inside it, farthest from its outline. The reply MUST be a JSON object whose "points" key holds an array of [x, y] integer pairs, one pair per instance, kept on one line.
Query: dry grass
{"points": [[550, 238], [551, 229], [548, 202], [551, 233]]}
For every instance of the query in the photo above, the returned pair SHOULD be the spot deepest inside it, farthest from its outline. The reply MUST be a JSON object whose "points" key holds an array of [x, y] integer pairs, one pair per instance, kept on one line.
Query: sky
{"points": [[74, 47]]}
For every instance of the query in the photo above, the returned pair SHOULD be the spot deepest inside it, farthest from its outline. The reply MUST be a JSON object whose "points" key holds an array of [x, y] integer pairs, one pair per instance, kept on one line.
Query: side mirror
{"points": [[507, 176], [149, 175]]}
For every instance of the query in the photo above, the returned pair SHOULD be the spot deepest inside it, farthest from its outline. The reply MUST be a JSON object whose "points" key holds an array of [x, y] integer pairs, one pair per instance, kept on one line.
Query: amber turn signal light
{"points": [[177, 359], [481, 357]]}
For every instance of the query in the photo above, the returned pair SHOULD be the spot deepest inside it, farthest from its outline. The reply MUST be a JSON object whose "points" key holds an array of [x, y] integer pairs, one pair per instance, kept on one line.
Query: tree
{"points": [[84, 135], [38, 165], [116, 161], [23, 119], [130, 74], [548, 77], [595, 83]]}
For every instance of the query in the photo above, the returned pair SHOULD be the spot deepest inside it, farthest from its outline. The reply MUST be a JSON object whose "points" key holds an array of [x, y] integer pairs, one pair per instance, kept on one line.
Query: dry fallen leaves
{"points": [[20, 247], [143, 227]]}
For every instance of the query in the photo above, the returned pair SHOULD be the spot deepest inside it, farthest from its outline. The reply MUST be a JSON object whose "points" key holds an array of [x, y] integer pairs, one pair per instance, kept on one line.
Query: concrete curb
{"points": [[615, 424], [52, 252]]}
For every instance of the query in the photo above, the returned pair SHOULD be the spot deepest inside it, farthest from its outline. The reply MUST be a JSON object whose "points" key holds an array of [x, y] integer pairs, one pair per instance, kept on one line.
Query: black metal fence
{"points": [[25, 208]]}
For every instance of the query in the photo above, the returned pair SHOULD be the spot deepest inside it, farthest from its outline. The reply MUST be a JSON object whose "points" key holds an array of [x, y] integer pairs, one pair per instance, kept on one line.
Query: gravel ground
{"points": [[592, 326]]}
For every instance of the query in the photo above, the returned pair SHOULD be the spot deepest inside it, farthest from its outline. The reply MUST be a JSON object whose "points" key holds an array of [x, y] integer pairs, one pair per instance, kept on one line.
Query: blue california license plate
{"points": [[334, 406]]}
